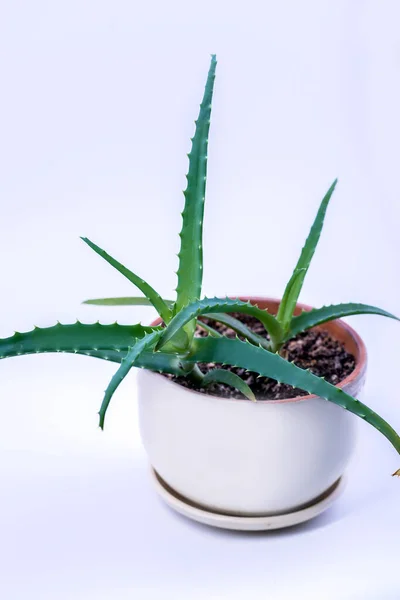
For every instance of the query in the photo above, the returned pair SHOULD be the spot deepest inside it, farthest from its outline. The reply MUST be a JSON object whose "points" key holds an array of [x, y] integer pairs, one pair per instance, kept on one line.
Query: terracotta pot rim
{"points": [[360, 357]]}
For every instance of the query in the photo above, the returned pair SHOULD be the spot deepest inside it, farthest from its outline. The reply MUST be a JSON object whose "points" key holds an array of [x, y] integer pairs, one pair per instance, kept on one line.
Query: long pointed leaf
{"points": [[155, 298], [107, 342], [126, 365], [218, 305], [77, 338], [229, 378], [190, 269], [317, 316], [210, 330], [292, 292], [159, 362], [124, 301], [240, 328], [268, 364]]}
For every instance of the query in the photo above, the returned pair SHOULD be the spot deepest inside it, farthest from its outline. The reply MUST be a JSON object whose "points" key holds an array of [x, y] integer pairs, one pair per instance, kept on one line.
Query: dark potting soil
{"points": [[314, 350]]}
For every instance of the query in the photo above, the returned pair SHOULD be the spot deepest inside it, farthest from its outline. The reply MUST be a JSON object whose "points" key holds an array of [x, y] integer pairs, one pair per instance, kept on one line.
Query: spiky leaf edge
{"points": [[318, 316], [291, 294], [190, 269], [126, 364]]}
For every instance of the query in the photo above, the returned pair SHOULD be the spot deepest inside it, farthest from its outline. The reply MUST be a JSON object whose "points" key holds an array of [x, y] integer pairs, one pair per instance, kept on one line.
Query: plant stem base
{"points": [[209, 517]]}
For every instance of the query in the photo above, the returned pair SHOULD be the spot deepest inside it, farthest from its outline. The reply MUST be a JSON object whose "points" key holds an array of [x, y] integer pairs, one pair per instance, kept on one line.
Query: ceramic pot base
{"points": [[245, 523]]}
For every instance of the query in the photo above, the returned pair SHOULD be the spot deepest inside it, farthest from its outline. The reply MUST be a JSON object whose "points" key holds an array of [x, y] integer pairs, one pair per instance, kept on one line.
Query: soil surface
{"points": [[315, 350]]}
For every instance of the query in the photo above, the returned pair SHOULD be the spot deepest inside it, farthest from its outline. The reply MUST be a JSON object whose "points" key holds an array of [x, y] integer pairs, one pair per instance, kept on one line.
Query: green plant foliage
{"points": [[317, 316], [126, 364], [219, 305], [173, 347], [77, 338], [225, 319], [108, 342], [293, 288], [224, 376], [190, 270], [159, 362], [289, 301], [238, 327], [213, 332], [150, 293]]}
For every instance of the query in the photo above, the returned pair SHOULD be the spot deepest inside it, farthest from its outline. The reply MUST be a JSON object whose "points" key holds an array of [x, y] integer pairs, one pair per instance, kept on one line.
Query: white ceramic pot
{"points": [[239, 457]]}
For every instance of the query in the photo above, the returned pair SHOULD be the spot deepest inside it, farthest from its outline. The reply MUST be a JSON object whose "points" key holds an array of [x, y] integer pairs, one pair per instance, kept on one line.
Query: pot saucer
{"points": [[245, 523]]}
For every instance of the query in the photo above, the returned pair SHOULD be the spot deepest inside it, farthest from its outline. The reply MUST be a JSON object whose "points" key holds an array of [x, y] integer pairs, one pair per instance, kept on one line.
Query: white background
{"points": [[96, 110]]}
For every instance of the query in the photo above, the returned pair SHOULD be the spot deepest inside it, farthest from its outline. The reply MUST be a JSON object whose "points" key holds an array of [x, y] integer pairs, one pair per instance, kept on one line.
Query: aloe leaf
{"points": [[229, 378], [108, 342], [286, 308], [190, 269], [218, 305], [239, 328], [126, 364], [317, 316], [77, 338], [268, 364], [210, 330], [159, 362], [292, 290], [124, 301], [150, 293]]}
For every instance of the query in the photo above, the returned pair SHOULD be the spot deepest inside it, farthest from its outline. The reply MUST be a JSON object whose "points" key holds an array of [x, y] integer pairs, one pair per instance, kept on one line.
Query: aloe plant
{"points": [[173, 348]]}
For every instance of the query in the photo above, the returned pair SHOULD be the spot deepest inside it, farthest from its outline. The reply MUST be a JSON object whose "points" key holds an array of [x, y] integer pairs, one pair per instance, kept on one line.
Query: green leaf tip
{"points": [[107, 342], [150, 293], [295, 284], [239, 328], [229, 378], [318, 316], [127, 363], [101, 421]]}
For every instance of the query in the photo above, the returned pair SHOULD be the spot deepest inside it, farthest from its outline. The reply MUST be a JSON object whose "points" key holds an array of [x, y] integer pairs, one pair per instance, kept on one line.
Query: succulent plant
{"points": [[173, 348]]}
